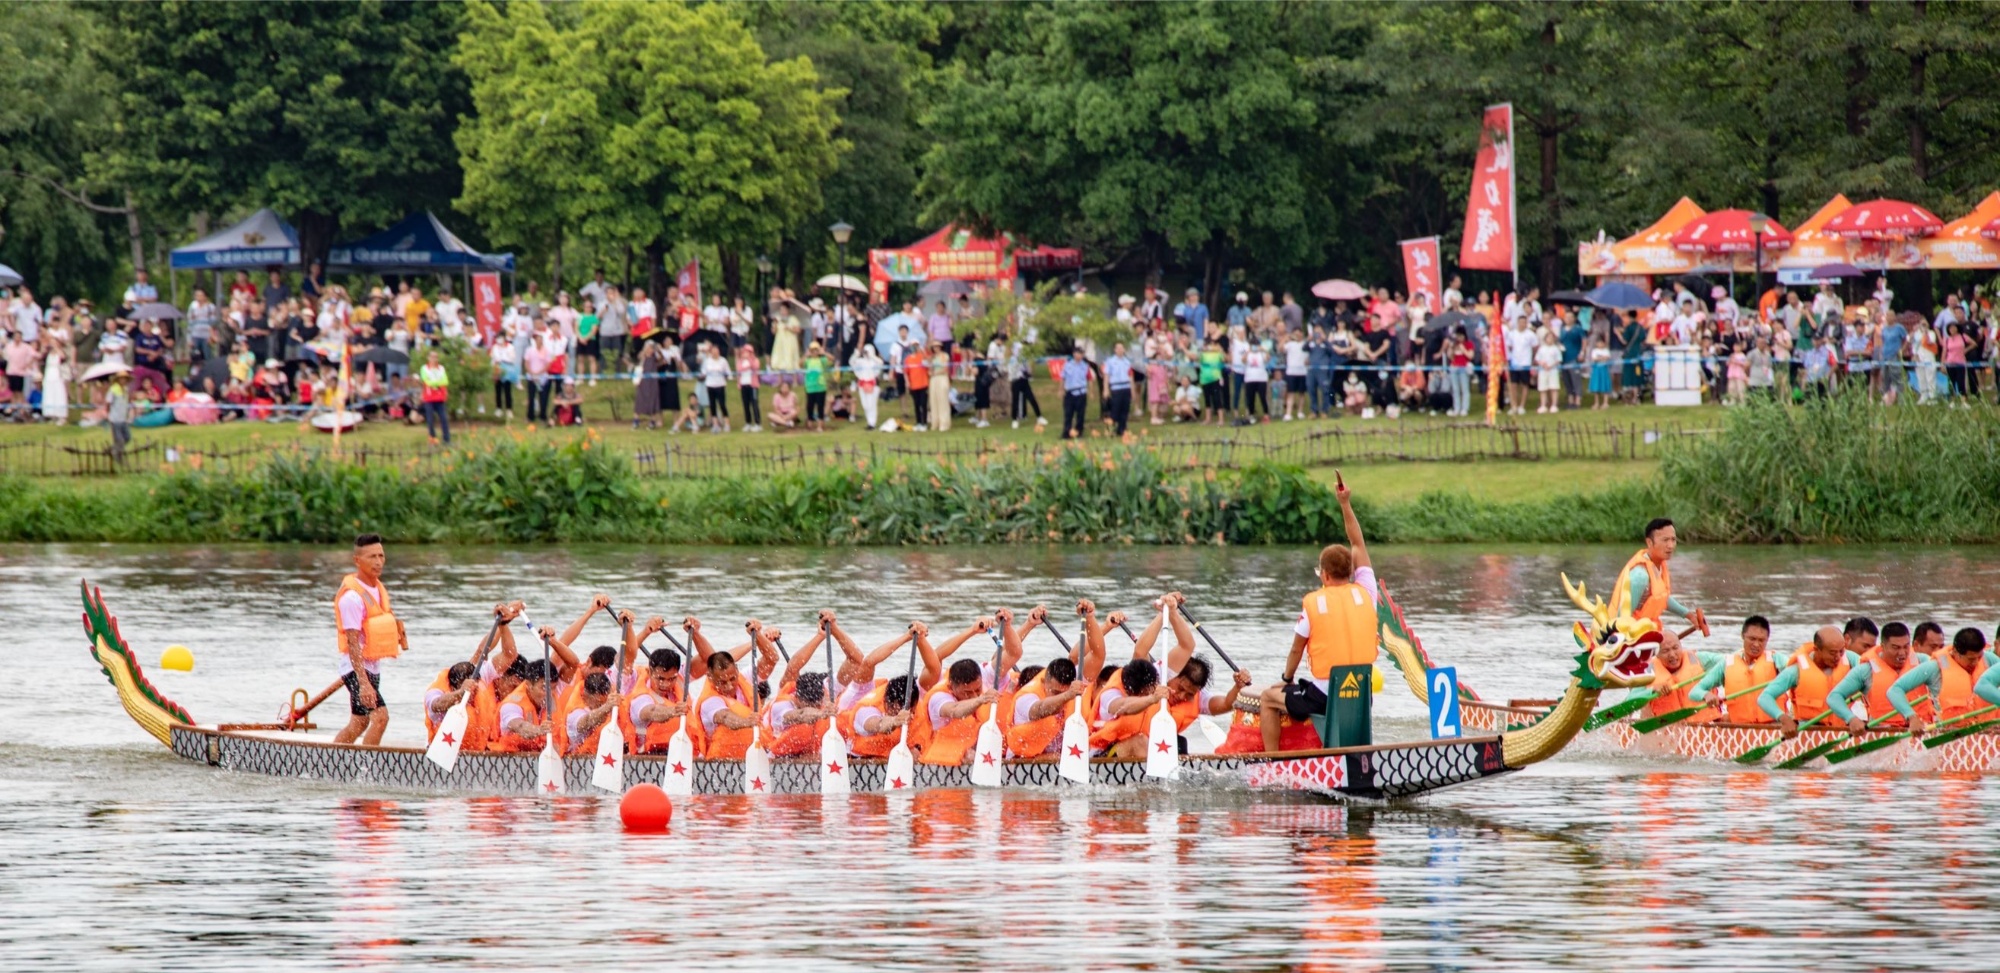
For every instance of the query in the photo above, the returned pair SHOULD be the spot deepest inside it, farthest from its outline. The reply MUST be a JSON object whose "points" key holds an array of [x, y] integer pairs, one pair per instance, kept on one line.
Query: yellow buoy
{"points": [[1375, 681], [177, 658]]}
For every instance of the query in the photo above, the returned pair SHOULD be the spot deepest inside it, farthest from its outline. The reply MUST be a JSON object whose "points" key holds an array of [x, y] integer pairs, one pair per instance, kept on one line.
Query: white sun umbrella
{"points": [[104, 369], [846, 282], [8, 277]]}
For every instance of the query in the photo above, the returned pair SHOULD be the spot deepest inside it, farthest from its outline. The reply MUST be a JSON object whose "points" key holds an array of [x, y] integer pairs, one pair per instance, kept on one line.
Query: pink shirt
{"points": [[1954, 350]]}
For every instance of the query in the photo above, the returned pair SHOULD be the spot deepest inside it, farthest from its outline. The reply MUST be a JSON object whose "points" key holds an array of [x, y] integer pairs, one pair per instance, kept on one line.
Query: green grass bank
{"points": [[1839, 471]]}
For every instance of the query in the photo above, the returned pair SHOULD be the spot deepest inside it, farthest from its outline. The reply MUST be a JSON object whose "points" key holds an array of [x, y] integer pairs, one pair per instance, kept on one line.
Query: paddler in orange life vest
{"points": [[1127, 718], [726, 709], [1650, 584], [1808, 678], [524, 720], [1674, 665], [1879, 667], [460, 679], [1954, 680], [1751, 666], [369, 632], [873, 724], [659, 705], [1336, 627], [588, 713], [947, 722]]}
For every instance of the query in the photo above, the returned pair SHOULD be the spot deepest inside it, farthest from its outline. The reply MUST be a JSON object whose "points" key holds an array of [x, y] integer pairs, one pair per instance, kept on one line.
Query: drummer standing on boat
{"points": [[369, 633], [1651, 585], [1336, 634]]}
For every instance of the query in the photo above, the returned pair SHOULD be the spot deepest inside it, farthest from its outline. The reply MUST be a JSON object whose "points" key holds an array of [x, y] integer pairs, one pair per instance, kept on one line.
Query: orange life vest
{"points": [[1809, 696], [1093, 695], [1673, 695], [380, 637], [658, 735], [587, 744], [480, 713], [946, 745], [526, 698], [725, 743], [1737, 677], [1659, 586], [1881, 677], [1121, 728], [1955, 695], [1341, 619], [859, 741], [1035, 737], [796, 739]]}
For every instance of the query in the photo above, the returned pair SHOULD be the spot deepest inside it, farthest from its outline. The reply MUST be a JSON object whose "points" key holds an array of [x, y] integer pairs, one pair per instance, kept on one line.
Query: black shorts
{"points": [[1304, 700], [17, 383], [1295, 384], [1521, 376], [354, 693]]}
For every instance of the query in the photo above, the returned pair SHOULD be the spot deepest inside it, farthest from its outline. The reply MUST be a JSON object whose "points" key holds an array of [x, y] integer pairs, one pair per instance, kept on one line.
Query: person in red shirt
{"points": [[917, 375]]}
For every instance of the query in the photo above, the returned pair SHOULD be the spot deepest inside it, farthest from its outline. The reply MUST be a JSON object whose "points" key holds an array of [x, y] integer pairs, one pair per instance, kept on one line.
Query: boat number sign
{"points": [[1444, 702]]}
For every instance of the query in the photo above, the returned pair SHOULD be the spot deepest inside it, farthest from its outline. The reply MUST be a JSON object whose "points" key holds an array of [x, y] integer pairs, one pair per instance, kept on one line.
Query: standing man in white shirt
{"points": [[1521, 344], [451, 315], [369, 633]]}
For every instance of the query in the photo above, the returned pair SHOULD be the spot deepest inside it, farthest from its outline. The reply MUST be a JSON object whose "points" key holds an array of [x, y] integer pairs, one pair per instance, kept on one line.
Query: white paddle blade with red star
{"points": [[901, 773], [757, 769], [1163, 751], [549, 769], [678, 781], [833, 762], [607, 770], [1074, 764], [443, 750], [988, 758]]}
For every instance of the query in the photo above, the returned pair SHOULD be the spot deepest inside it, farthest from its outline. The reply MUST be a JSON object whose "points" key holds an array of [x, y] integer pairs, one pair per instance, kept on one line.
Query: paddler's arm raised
{"points": [[933, 669], [1093, 629], [1351, 523], [1183, 636], [950, 645], [1925, 675], [598, 603], [697, 644], [506, 613], [1768, 699], [847, 646], [1142, 644], [880, 655]]}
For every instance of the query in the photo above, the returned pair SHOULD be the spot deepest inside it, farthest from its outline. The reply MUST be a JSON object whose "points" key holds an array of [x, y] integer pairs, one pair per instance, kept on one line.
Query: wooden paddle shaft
{"points": [[1231, 663], [300, 713]]}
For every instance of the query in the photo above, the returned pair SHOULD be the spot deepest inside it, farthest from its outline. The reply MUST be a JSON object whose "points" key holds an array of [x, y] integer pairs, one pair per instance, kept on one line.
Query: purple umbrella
{"points": [[1835, 271]]}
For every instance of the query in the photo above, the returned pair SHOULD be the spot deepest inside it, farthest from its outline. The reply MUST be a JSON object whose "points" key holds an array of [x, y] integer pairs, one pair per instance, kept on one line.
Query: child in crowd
{"points": [[1548, 372], [1187, 400], [689, 418], [785, 408], [1355, 394], [1600, 372], [1739, 377]]}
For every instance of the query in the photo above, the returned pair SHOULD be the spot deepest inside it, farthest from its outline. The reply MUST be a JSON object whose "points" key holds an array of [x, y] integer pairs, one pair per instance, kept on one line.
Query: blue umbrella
{"points": [[1620, 295]]}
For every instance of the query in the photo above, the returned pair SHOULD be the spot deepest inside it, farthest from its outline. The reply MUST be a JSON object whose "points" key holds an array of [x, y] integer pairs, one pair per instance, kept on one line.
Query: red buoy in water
{"points": [[645, 808]]}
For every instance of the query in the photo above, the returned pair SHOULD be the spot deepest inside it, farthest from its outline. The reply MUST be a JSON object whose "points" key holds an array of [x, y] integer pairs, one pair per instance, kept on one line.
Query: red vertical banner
{"points": [[1488, 243], [1420, 272], [486, 305], [689, 280]]}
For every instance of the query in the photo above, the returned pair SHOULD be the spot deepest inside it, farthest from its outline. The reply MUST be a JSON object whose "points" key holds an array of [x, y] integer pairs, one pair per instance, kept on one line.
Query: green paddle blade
{"points": [[1757, 754], [1618, 711], [1866, 748], [1941, 739], [1666, 719], [1808, 756]]}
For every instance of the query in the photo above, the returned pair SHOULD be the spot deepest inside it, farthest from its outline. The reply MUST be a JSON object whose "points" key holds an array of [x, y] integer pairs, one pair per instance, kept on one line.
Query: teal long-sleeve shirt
{"points": [[1712, 680], [1927, 675], [1988, 686], [1788, 680], [1639, 584]]}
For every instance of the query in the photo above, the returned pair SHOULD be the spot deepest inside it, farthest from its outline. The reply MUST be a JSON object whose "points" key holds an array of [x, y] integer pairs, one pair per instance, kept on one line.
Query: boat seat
{"points": [[1348, 719]]}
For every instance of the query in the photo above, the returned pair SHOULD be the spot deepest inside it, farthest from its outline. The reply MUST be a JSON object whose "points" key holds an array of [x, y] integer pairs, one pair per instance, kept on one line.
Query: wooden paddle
{"points": [[450, 735], [902, 768], [1226, 660], [832, 746], [989, 754], [1842, 756], [1808, 756], [607, 769], [1073, 764], [549, 775], [1933, 742], [1756, 754], [1669, 719], [292, 716], [679, 779]]}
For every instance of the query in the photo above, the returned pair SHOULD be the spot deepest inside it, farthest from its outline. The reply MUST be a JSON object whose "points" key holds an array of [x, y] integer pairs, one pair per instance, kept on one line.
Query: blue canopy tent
{"points": [[261, 240], [418, 243]]}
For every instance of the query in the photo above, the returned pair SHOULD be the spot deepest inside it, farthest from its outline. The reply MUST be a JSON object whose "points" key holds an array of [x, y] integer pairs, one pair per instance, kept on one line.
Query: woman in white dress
{"points": [[55, 373]]}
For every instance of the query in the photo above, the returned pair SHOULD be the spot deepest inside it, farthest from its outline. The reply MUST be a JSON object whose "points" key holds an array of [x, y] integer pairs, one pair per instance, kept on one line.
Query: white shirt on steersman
{"points": [[352, 612], [1365, 577]]}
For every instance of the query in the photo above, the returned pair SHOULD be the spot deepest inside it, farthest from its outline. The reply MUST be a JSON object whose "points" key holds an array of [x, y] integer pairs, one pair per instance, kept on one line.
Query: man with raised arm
{"points": [[1336, 631]]}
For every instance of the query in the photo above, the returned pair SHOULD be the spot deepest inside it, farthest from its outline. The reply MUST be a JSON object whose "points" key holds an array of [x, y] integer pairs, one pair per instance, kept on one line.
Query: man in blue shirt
{"points": [[1890, 353], [1239, 313], [1193, 314], [1572, 337], [1118, 382], [1076, 392]]}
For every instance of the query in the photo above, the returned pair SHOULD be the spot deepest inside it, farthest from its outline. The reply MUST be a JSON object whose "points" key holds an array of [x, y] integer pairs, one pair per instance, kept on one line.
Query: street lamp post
{"points": [[763, 271], [842, 232], [1758, 224]]}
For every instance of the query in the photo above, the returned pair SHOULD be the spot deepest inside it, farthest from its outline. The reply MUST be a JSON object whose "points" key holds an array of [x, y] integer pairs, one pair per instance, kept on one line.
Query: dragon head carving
{"points": [[1617, 648]]}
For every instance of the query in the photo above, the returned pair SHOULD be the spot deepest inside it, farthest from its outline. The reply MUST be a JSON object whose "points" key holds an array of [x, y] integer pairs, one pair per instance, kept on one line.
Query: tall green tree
{"points": [[1145, 131], [56, 108], [338, 114], [668, 120]]}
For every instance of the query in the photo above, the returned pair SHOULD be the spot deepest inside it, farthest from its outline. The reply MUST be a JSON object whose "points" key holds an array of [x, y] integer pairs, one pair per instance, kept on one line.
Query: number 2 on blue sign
{"points": [[1444, 702]]}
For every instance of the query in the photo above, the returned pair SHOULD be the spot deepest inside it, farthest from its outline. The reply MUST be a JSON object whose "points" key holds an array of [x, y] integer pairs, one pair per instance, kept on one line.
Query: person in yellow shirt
{"points": [[1336, 631], [414, 311]]}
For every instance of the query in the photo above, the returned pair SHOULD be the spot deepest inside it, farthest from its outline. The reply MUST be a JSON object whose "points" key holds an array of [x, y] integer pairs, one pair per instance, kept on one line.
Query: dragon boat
{"points": [[1612, 656]]}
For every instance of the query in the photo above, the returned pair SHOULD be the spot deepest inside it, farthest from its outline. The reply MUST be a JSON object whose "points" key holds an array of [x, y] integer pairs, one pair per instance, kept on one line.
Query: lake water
{"points": [[114, 855]]}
